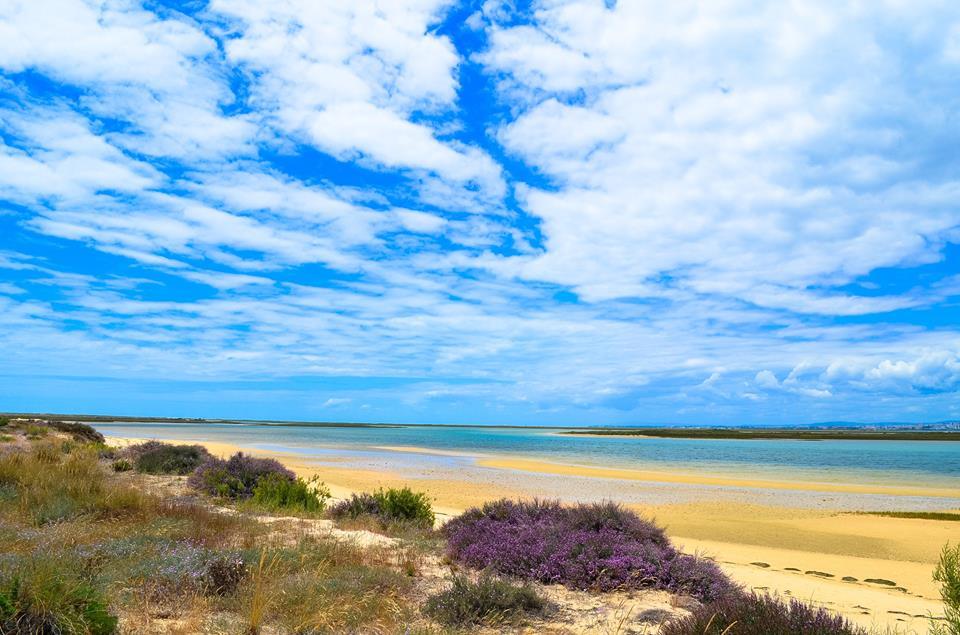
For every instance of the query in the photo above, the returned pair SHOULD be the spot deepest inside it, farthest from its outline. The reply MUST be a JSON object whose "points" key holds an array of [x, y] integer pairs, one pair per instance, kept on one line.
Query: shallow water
{"points": [[915, 463]]}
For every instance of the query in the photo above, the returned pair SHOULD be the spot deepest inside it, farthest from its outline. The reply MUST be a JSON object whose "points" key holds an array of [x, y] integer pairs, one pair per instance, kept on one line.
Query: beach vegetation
{"points": [[4, 422], [121, 465], [947, 573], [155, 457], [390, 506], [599, 547], [277, 493], [48, 486], [40, 596], [87, 552], [489, 600], [36, 432], [78, 431], [237, 477], [760, 614]]}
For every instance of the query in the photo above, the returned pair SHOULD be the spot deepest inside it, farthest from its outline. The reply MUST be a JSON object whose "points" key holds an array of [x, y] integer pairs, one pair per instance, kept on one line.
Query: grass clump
{"points": [[34, 432], [154, 457], [121, 465], [490, 601], [757, 614], [43, 596], [947, 573], [325, 586], [394, 505], [47, 486], [598, 547], [277, 493]]}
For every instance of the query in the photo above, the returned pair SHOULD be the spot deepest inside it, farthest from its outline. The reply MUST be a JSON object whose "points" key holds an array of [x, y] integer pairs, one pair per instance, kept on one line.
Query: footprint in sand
{"points": [[791, 569], [762, 565], [880, 581], [820, 574], [849, 578]]}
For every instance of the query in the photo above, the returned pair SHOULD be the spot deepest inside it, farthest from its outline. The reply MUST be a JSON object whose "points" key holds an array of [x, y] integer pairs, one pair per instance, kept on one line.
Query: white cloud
{"points": [[347, 77], [716, 148], [157, 74]]}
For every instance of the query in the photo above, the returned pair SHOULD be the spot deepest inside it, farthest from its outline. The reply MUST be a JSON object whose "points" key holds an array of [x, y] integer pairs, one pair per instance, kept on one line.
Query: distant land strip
{"points": [[800, 435]]}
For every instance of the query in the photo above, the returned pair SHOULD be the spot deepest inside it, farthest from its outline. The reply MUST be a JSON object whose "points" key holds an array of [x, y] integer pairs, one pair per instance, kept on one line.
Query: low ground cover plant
{"points": [[598, 546], [489, 600], [758, 614], [394, 505], [155, 457]]}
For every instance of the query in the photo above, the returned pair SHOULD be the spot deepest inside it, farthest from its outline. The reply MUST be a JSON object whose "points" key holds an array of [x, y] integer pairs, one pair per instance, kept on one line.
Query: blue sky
{"points": [[425, 211]]}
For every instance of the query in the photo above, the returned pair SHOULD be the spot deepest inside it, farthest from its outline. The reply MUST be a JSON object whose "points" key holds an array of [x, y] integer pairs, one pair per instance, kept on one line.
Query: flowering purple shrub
{"points": [[600, 546], [236, 477], [755, 614]]}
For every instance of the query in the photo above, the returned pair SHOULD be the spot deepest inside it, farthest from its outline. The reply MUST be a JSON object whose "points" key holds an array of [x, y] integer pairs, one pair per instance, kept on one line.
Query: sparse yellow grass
{"points": [[63, 509]]}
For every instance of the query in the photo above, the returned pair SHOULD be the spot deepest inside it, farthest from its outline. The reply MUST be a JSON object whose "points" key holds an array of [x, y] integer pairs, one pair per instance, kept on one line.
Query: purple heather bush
{"points": [[756, 614], [236, 477], [597, 546]]}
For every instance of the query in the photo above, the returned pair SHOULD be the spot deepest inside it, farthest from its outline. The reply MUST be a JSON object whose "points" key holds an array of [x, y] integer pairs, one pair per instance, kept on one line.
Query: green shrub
{"points": [[275, 492], [389, 506], [4, 422], [490, 600], [947, 574], [406, 505], [43, 597], [154, 457], [217, 481], [79, 431], [121, 465], [5, 438]]}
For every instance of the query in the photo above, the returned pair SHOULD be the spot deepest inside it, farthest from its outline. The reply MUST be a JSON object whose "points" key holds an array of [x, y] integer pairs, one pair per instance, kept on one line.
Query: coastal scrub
{"points": [[597, 547], [394, 505], [757, 614]]}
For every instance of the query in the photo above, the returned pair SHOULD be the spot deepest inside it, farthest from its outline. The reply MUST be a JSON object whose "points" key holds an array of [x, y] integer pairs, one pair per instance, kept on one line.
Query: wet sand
{"points": [[796, 539]]}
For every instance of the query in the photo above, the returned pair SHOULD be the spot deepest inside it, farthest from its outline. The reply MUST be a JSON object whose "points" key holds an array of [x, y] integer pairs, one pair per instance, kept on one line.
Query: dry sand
{"points": [[821, 555]]}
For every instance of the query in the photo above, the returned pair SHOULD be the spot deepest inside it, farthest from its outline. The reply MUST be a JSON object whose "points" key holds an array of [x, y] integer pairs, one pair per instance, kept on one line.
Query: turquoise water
{"points": [[926, 463]]}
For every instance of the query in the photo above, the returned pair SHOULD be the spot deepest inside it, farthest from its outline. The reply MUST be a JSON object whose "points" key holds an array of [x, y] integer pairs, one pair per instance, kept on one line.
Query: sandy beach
{"points": [[875, 570]]}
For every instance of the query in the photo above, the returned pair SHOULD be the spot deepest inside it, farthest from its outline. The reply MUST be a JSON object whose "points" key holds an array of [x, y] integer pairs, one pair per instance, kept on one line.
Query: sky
{"points": [[554, 212]]}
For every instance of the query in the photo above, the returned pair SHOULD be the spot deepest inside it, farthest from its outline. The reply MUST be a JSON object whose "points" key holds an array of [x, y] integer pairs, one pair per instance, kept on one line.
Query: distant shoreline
{"points": [[870, 431], [783, 434]]}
